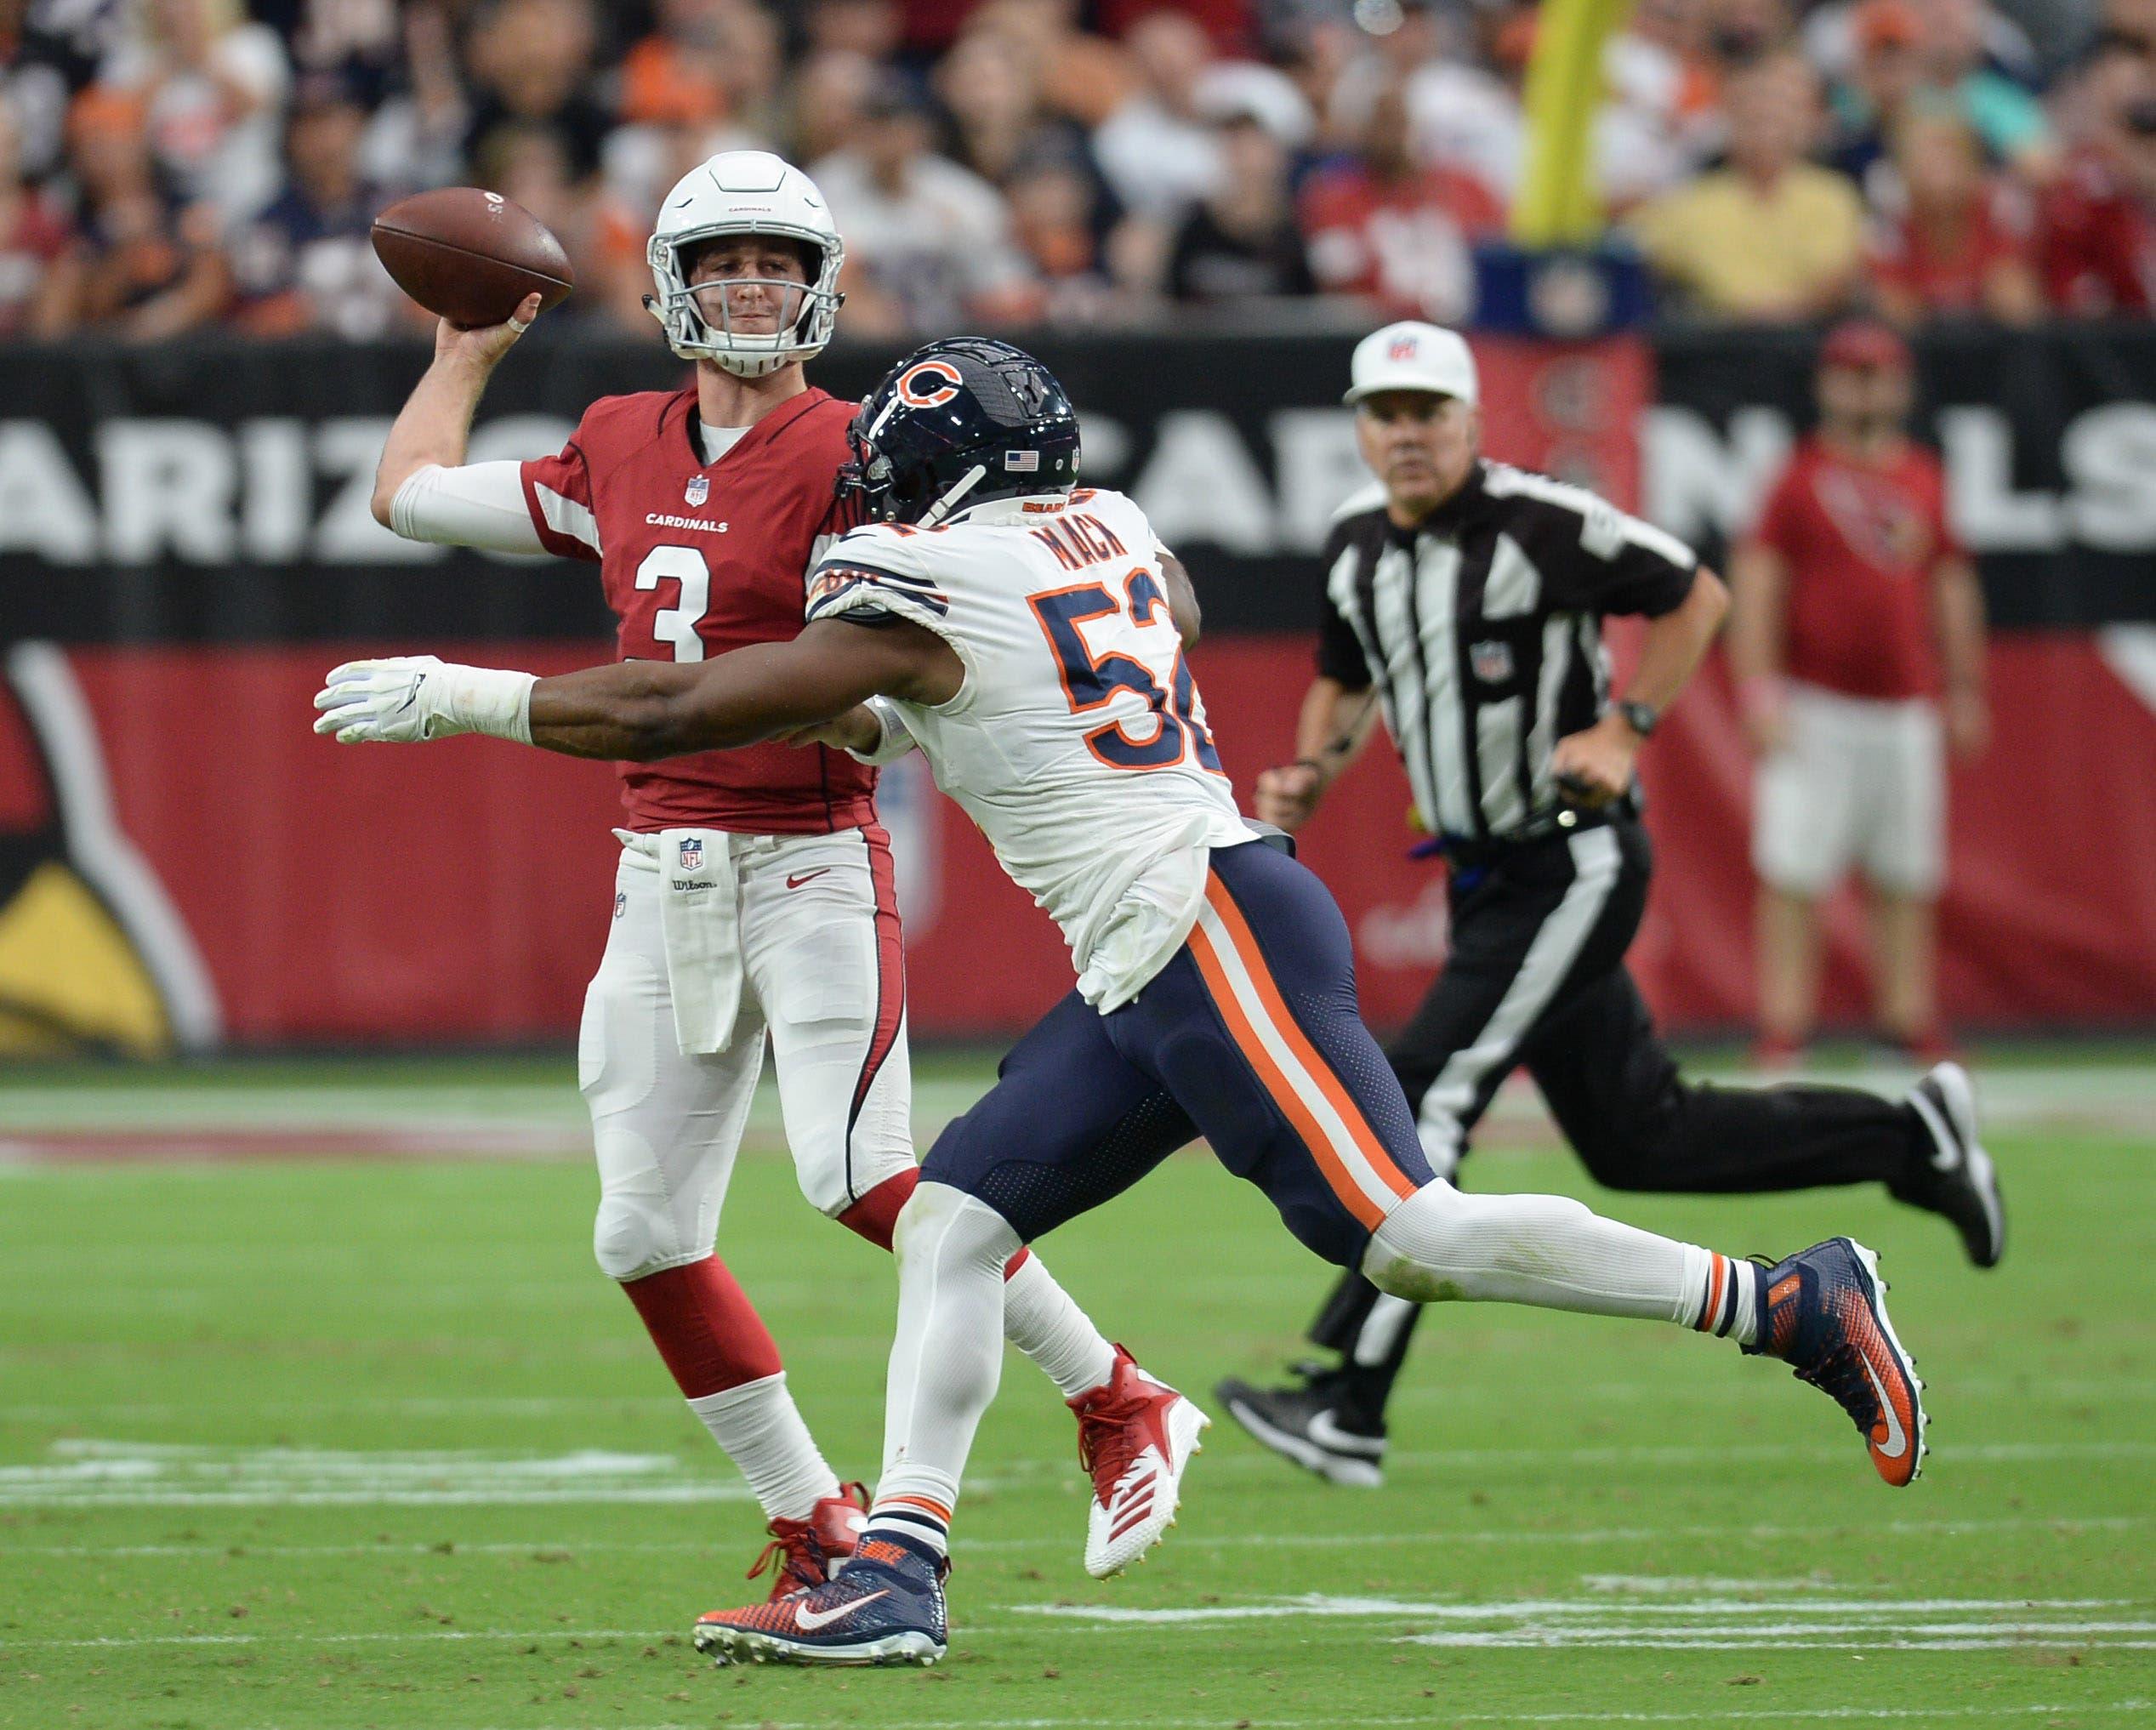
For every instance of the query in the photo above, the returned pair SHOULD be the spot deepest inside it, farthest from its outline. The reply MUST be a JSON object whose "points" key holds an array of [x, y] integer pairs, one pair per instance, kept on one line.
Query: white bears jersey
{"points": [[1078, 742]]}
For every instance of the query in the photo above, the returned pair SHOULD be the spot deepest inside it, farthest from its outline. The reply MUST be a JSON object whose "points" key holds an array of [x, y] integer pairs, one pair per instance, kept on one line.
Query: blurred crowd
{"points": [[168, 164]]}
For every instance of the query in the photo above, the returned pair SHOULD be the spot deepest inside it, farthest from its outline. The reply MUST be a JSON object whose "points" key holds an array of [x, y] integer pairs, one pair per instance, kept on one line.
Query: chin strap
{"points": [[944, 506]]}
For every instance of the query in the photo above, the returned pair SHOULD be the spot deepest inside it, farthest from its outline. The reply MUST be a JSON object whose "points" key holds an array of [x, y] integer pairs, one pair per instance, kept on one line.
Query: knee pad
{"points": [[637, 1231], [1434, 1248], [953, 1228]]}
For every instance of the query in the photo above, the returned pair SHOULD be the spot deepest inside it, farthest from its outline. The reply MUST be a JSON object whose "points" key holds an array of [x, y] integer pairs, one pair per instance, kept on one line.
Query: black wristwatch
{"points": [[1641, 717]]}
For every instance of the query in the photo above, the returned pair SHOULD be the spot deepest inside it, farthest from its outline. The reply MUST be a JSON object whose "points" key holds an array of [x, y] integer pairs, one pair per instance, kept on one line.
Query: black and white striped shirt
{"points": [[1481, 628]]}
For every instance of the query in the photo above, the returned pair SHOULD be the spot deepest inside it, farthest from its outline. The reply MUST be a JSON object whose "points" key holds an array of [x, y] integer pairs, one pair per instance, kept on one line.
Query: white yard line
{"points": [[1796, 1618]]}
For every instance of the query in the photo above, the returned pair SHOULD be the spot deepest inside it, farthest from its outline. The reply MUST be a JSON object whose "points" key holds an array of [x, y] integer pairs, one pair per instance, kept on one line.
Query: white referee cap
{"points": [[1412, 356]]}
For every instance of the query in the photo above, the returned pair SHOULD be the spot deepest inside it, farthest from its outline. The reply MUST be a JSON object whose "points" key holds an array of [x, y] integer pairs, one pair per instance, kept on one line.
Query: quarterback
{"points": [[1018, 627], [754, 897]]}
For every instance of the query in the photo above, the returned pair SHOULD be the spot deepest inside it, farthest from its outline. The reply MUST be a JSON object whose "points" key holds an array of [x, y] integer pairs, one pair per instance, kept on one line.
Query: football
{"points": [[470, 256]]}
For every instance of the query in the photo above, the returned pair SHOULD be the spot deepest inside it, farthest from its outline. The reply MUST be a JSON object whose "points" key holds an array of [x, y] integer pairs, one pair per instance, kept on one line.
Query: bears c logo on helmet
{"points": [[917, 386]]}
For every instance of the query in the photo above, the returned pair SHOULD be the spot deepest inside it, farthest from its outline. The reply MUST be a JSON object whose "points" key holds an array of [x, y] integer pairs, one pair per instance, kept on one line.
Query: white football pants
{"points": [[822, 973]]}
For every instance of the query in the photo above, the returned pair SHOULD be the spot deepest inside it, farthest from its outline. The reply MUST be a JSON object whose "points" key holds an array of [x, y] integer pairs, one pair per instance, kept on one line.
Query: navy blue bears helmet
{"points": [[956, 424]]}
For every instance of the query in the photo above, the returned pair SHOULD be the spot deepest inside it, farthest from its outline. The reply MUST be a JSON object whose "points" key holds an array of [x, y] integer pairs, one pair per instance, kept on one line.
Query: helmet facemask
{"points": [[698, 317]]}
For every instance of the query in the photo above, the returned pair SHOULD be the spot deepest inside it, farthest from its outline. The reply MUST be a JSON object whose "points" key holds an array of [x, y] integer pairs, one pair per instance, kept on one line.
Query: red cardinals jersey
{"points": [[2095, 242], [1863, 545], [1950, 277], [699, 558], [1408, 244]]}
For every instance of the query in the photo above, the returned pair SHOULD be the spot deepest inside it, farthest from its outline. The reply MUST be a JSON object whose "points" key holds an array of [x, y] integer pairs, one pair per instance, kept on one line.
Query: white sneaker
{"points": [[1135, 1436]]}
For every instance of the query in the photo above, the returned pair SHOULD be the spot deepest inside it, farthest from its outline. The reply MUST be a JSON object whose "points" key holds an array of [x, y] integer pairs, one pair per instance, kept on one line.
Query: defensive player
{"points": [[754, 897], [1022, 630]]}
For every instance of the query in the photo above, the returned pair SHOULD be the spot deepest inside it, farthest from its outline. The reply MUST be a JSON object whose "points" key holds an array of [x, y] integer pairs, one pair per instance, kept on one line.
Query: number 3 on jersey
{"points": [[1090, 680], [677, 624]]}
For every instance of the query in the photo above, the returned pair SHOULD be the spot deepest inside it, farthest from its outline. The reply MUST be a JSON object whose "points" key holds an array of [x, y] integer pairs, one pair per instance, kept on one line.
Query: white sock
{"points": [[948, 1353], [915, 1502], [1042, 1321], [1543, 1249], [760, 1429], [1727, 1301]]}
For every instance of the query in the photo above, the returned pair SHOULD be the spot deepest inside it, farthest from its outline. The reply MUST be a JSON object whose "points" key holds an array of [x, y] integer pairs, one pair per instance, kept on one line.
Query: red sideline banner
{"points": [[182, 861]]}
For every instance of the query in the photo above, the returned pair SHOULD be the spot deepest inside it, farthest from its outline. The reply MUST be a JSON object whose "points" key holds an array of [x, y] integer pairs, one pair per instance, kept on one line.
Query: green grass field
{"points": [[307, 1438]]}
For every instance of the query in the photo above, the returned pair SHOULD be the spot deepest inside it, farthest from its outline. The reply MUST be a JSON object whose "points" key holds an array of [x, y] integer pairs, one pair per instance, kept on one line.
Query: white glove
{"points": [[897, 741], [404, 699]]}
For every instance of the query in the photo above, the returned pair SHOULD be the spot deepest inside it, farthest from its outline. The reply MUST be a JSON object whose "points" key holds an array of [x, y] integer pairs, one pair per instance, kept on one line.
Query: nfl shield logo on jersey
{"points": [[698, 490], [692, 853], [1493, 662]]}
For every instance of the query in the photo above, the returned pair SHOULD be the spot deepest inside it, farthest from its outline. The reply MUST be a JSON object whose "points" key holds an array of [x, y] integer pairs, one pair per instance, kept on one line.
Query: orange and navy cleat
{"points": [[886, 1607], [808, 1552], [1135, 1436], [1823, 1312]]}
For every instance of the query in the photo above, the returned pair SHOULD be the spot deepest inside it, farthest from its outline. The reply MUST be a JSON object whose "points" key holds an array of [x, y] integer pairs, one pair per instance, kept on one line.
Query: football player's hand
{"points": [[1595, 766], [1286, 796], [856, 729], [484, 345], [392, 702]]}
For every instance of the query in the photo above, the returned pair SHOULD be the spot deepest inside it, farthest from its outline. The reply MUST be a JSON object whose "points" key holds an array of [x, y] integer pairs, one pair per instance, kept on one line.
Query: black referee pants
{"points": [[1536, 977]]}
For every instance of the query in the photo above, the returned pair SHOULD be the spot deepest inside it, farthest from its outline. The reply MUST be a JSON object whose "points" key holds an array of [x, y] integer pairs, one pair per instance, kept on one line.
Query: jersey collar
{"points": [[1011, 509], [769, 427], [1456, 512]]}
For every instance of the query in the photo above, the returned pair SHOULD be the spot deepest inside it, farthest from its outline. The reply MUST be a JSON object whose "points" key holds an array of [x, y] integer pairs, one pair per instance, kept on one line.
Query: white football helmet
{"points": [[744, 192]]}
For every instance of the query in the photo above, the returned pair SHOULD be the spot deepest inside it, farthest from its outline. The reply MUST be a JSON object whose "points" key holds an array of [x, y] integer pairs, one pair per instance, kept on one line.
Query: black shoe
{"points": [[1312, 1425], [1958, 1179]]}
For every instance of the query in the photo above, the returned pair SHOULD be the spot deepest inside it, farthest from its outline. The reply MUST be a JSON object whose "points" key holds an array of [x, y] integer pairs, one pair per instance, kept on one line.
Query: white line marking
{"points": [[93, 1473], [1826, 1619]]}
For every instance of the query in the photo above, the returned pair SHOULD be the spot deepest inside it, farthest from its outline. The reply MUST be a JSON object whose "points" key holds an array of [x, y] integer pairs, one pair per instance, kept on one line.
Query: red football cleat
{"points": [[1135, 1436], [808, 1552]]}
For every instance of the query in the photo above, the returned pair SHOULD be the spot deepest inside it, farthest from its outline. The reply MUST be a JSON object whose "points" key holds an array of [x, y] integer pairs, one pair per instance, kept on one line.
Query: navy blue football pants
{"points": [[1249, 1037]]}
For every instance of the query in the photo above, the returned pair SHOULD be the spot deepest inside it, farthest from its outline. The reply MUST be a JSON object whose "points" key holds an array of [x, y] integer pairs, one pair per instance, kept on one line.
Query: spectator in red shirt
{"points": [[1956, 244], [2095, 237], [1391, 229], [1856, 636]]}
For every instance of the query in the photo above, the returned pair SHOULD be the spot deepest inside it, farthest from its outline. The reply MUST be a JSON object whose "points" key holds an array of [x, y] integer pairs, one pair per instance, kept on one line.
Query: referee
{"points": [[1463, 600]]}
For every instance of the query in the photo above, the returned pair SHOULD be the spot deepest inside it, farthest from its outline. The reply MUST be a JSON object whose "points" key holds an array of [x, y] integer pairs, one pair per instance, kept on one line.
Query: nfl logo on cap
{"points": [[1425, 358], [692, 853], [698, 490]]}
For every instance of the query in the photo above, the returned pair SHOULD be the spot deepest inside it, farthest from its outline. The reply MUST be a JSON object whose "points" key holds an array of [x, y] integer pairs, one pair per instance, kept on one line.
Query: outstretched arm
{"points": [[433, 427], [640, 710]]}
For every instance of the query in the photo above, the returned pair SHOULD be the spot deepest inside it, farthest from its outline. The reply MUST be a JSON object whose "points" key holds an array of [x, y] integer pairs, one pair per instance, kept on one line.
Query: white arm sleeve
{"points": [[480, 504]]}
